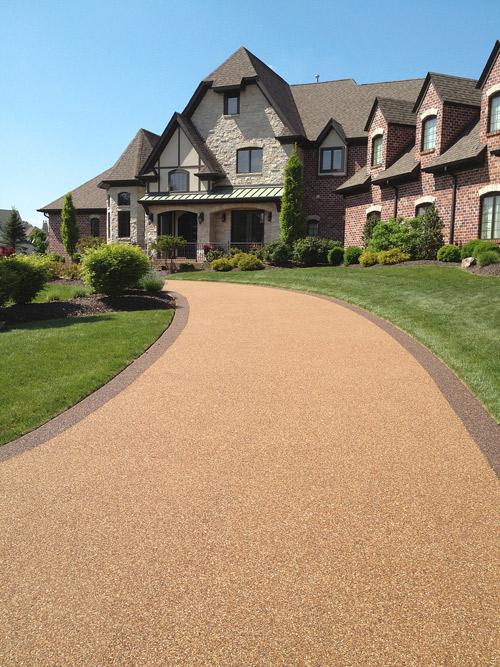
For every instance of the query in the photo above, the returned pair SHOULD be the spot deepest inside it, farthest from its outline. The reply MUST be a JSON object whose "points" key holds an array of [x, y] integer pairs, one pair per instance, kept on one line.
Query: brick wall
{"points": [[83, 221]]}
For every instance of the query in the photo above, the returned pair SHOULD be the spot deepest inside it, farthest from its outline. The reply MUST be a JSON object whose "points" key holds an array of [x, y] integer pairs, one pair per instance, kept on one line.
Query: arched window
{"points": [[494, 113], [312, 227], [124, 199], [178, 181], [429, 133], [490, 216], [377, 144], [373, 217], [94, 226], [420, 209]]}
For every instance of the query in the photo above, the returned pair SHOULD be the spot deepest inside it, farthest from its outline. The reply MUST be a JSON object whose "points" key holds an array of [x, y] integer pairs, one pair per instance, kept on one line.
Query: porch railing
{"points": [[197, 251]]}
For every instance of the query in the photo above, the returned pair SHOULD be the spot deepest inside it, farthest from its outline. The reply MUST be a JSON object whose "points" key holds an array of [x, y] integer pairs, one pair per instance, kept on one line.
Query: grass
{"points": [[454, 313], [61, 292], [48, 366]]}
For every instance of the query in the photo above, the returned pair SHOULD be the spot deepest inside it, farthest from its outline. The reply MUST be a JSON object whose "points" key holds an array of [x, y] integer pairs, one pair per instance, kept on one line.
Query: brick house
{"points": [[215, 175]]}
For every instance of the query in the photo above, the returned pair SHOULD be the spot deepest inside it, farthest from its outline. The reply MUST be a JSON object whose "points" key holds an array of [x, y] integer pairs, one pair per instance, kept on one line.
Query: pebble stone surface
{"points": [[284, 487]]}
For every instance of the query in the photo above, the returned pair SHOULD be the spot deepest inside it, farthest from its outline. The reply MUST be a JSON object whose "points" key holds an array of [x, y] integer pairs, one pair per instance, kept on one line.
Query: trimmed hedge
{"points": [[112, 268], [276, 253], [448, 253], [20, 280], [336, 256]]}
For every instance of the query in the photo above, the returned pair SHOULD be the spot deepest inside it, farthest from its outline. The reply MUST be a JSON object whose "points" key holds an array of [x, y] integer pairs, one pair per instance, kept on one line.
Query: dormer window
{"points": [[231, 104], [377, 144], [429, 133], [494, 113], [178, 181], [249, 161], [124, 199], [331, 160]]}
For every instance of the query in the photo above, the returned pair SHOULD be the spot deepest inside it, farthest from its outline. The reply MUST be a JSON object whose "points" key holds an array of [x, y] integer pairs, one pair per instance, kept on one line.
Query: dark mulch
{"points": [[94, 304], [490, 270]]}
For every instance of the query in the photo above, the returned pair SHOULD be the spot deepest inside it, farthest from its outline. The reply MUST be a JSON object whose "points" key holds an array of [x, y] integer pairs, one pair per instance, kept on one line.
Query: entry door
{"points": [[187, 227], [247, 227]]}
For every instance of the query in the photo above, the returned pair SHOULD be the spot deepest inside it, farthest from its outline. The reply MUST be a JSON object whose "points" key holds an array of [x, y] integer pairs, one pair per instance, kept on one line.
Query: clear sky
{"points": [[80, 78]]}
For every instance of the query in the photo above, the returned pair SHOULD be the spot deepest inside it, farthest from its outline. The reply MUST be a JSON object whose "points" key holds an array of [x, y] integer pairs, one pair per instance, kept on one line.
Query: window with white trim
{"points": [[490, 216], [420, 209], [331, 160], [429, 133], [377, 144], [494, 113]]}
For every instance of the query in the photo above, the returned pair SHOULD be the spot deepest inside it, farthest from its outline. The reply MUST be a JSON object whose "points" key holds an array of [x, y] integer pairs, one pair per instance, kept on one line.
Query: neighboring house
{"points": [[215, 175], [25, 248]]}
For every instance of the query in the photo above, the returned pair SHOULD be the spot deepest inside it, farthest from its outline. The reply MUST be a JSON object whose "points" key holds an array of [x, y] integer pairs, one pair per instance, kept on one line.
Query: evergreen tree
{"points": [[292, 222], [39, 240], [13, 230], [69, 229]]}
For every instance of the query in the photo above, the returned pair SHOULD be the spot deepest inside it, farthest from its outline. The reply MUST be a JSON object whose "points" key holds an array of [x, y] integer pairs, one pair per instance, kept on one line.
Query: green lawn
{"points": [[454, 313], [48, 366]]}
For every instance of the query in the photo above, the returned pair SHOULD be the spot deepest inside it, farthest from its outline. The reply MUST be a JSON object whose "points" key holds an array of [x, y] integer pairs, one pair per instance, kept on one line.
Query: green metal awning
{"points": [[229, 194]]}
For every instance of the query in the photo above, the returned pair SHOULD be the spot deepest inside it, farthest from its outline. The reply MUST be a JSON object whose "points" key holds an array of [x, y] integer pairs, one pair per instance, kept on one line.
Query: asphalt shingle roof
{"points": [[133, 157], [468, 147], [357, 180], [451, 89], [397, 112], [404, 166]]}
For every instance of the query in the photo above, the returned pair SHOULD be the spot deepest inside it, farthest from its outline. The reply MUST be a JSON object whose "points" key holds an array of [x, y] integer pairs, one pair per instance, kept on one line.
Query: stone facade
{"points": [[137, 214]]}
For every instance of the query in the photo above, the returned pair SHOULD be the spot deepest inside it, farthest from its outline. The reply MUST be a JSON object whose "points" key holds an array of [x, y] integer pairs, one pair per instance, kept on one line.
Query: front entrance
{"points": [[247, 227], [180, 223]]}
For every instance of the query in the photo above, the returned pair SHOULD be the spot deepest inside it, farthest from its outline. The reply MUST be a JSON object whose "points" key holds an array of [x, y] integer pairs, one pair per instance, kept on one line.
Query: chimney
{"points": [[316, 76]]}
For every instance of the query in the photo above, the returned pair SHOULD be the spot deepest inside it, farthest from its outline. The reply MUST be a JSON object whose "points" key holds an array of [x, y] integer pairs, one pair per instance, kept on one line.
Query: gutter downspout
{"points": [[396, 193], [453, 206]]}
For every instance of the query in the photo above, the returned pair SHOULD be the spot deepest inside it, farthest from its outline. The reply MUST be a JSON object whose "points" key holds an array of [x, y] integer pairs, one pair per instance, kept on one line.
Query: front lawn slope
{"points": [[454, 313], [48, 366]]}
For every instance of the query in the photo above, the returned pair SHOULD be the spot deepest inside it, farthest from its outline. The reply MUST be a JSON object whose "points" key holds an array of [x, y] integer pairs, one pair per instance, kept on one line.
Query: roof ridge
{"points": [[320, 83], [377, 83], [453, 76]]}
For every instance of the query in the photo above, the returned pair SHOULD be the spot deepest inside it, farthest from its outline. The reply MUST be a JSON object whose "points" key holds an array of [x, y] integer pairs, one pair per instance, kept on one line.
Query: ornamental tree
{"points": [[69, 229], [292, 221], [169, 245], [13, 231]]}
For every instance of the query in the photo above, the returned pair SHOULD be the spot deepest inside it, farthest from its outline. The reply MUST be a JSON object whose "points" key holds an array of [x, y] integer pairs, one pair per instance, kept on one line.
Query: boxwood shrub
{"points": [[276, 253], [392, 256], [112, 268], [352, 255], [250, 263], [335, 256], [368, 258], [20, 280], [221, 264], [449, 253]]}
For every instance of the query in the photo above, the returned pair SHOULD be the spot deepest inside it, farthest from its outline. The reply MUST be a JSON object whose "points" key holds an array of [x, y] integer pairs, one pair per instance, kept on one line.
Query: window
{"points": [[312, 228], [94, 226], [231, 104], [178, 181], [429, 133], [331, 160], [165, 224], [247, 227], [422, 208], [123, 224], [124, 199], [373, 217], [494, 113], [490, 216], [249, 161], [377, 144]]}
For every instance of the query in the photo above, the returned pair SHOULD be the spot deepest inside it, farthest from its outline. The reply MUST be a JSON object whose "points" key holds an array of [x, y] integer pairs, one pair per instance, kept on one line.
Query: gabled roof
{"points": [[130, 162], [359, 181], [467, 149], [451, 89], [396, 112], [211, 164], [87, 196], [244, 67], [405, 167], [489, 64], [346, 102]]}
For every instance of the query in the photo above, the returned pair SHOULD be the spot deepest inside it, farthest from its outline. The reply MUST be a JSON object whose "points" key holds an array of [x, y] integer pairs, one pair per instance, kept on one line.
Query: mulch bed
{"points": [[94, 304]]}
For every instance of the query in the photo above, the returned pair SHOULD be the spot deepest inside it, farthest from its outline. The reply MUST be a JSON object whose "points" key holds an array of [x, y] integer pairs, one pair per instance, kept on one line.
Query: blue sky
{"points": [[80, 78]]}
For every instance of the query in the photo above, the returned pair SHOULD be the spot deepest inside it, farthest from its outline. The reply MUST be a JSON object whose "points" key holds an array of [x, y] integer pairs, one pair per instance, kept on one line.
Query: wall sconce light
{"points": [[201, 217], [269, 216]]}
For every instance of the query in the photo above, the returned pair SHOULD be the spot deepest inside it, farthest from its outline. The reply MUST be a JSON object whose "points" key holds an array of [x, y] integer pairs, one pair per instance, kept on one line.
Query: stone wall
{"points": [[137, 214]]}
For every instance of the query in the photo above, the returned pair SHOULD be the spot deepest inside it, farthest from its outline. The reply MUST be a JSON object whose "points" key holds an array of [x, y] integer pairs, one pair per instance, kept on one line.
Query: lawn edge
{"points": [[91, 402], [480, 424]]}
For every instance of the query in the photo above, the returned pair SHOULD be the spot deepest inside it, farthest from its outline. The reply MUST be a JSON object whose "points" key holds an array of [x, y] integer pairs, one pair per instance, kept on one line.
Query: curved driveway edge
{"points": [[103, 394]]}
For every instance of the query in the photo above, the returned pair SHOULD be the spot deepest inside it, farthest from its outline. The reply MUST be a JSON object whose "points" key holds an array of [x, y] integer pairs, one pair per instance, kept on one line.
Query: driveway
{"points": [[285, 486]]}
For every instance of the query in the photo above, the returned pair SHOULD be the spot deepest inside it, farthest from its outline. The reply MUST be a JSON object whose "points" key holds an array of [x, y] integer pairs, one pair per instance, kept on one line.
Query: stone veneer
{"points": [[137, 215]]}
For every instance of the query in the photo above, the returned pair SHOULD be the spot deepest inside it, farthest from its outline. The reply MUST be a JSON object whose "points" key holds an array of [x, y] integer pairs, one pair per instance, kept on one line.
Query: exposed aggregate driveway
{"points": [[285, 486]]}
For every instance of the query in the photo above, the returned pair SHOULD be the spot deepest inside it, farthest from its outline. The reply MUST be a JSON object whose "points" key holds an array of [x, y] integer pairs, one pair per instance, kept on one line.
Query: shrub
{"points": [[214, 253], [70, 232], [276, 253], [89, 243], [81, 292], [425, 235], [70, 272], [113, 267], [20, 280], [335, 256], [368, 258], [292, 220], [221, 264], [371, 221], [51, 268], [468, 248], [151, 283], [311, 250], [387, 235], [235, 259], [185, 267], [486, 257], [482, 246], [392, 256], [250, 263], [448, 253], [39, 240], [352, 255]]}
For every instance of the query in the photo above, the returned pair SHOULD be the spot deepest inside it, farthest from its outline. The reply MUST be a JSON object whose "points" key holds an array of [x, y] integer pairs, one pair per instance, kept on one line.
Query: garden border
{"points": [[106, 392]]}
